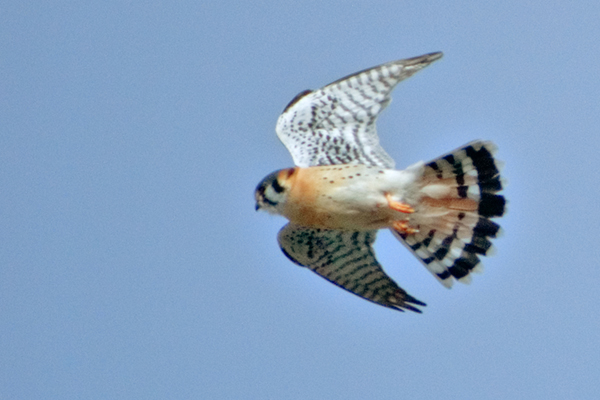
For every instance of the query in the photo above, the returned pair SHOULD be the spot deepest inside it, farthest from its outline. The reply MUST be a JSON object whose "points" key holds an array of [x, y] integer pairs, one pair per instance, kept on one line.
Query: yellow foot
{"points": [[403, 227], [395, 205]]}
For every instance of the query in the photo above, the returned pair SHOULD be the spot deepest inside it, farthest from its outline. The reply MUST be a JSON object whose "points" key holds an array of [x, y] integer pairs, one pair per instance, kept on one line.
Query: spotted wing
{"points": [[336, 124], [346, 259], [450, 242]]}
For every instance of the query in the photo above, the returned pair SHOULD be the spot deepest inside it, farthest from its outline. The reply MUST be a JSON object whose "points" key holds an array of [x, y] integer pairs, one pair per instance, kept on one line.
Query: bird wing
{"points": [[336, 124], [346, 259]]}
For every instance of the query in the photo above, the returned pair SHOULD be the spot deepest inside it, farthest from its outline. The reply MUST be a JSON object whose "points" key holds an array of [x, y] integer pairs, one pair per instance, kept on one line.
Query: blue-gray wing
{"points": [[346, 259], [336, 124]]}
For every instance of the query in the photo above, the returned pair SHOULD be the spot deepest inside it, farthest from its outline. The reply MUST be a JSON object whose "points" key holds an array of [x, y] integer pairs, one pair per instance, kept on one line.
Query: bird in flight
{"points": [[344, 188]]}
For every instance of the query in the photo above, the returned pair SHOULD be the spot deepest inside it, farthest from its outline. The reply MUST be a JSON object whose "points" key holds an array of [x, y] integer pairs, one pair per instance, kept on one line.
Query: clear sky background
{"points": [[133, 264]]}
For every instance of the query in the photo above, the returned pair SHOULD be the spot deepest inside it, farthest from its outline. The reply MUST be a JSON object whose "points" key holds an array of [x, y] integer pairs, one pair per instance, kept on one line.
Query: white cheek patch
{"points": [[272, 195]]}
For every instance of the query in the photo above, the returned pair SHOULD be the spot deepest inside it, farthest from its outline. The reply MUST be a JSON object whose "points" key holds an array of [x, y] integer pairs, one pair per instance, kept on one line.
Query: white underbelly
{"points": [[354, 197]]}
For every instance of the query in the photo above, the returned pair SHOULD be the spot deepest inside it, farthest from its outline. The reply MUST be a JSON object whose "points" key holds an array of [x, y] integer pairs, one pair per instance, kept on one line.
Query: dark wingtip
{"points": [[410, 299], [297, 98], [411, 308], [400, 301], [404, 304], [426, 58], [436, 55]]}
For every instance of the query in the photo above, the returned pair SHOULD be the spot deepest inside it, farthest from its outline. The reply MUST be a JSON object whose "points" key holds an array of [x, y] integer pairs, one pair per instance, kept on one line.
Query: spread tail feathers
{"points": [[453, 219]]}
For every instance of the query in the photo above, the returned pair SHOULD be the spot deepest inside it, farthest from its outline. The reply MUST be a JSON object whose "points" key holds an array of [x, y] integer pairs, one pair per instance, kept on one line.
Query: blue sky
{"points": [[133, 265]]}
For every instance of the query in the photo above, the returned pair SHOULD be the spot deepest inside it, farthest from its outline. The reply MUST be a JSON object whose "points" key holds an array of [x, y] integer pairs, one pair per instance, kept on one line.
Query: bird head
{"points": [[272, 191]]}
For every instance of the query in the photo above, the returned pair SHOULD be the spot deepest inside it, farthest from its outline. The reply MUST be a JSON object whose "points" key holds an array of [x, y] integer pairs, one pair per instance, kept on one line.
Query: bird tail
{"points": [[452, 224]]}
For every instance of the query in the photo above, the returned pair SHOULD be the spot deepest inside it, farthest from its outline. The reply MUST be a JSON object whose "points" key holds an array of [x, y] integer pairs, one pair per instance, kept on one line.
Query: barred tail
{"points": [[454, 217]]}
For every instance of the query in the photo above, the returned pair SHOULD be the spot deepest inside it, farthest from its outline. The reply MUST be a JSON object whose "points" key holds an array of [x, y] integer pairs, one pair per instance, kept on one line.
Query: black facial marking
{"points": [[269, 202], [277, 187]]}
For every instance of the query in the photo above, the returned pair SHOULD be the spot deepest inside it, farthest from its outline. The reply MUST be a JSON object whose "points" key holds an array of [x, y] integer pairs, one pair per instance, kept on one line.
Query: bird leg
{"points": [[397, 206], [401, 226]]}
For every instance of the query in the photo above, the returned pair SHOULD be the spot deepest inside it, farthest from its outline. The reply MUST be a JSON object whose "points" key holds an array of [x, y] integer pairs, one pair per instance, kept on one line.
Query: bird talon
{"points": [[396, 205], [404, 228]]}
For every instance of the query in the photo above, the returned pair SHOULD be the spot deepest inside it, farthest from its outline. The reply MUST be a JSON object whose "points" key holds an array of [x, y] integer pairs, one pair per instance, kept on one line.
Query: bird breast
{"points": [[346, 197]]}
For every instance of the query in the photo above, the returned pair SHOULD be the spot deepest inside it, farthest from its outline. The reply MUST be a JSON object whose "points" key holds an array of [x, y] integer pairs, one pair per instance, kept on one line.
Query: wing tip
{"points": [[296, 99], [403, 301], [430, 57], [422, 61]]}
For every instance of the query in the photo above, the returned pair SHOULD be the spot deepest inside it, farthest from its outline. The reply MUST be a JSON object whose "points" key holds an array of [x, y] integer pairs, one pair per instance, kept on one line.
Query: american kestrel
{"points": [[344, 188]]}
